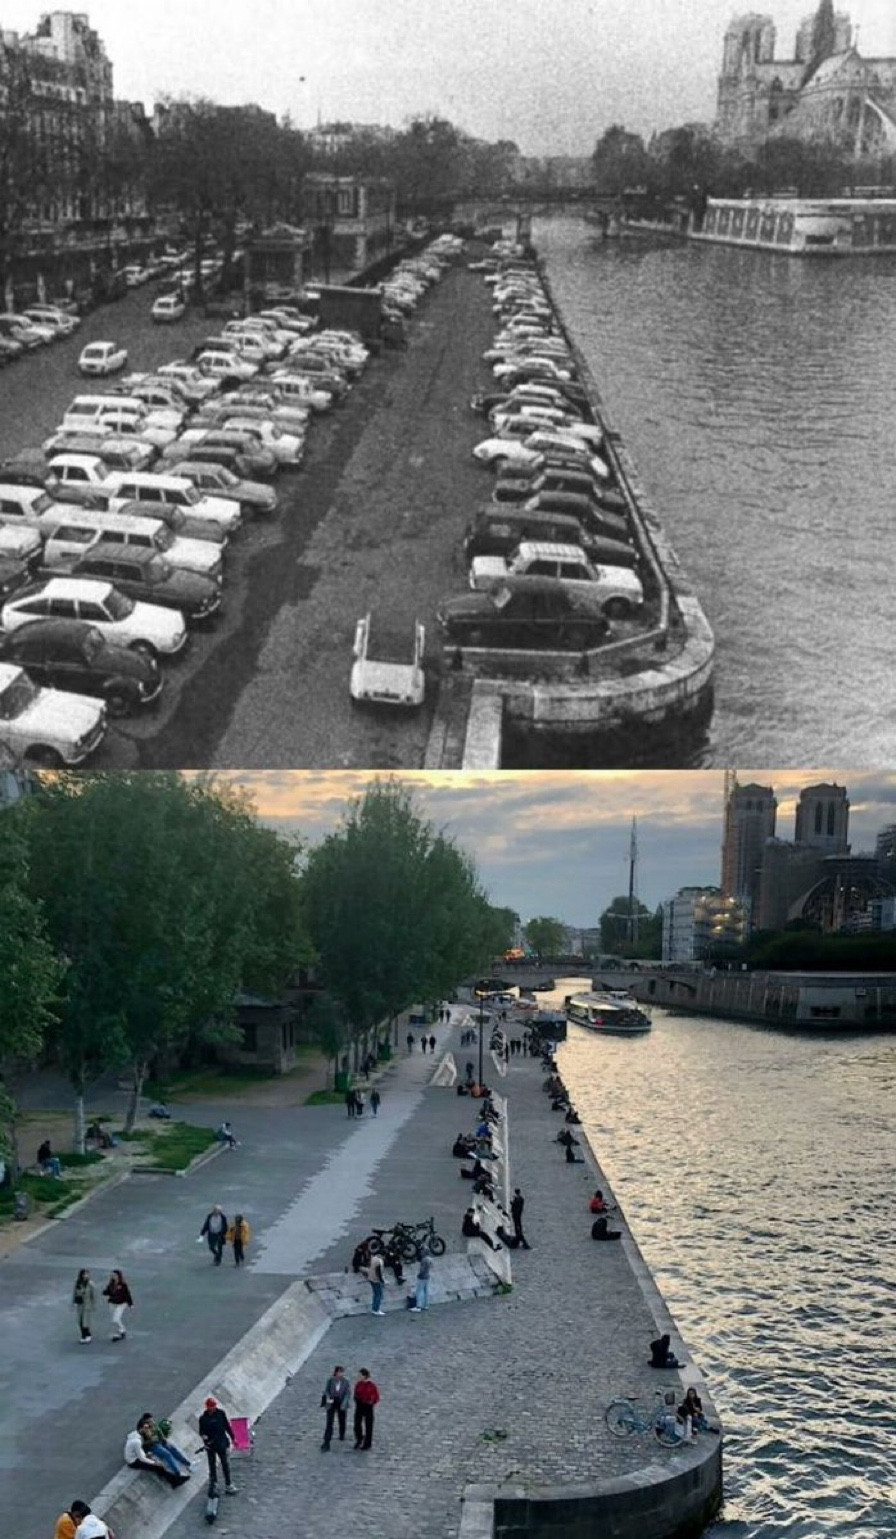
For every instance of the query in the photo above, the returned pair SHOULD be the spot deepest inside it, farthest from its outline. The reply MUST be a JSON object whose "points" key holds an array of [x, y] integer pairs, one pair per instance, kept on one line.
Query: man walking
{"points": [[350, 1103], [366, 1397], [410, 1041], [432, 1042], [376, 1279], [421, 1291], [217, 1436], [215, 1231], [517, 1203], [335, 1397], [375, 1099]]}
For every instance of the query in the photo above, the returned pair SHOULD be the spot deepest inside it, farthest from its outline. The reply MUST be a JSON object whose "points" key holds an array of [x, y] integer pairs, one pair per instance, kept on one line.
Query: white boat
{"points": [[801, 226], [601, 1013]]}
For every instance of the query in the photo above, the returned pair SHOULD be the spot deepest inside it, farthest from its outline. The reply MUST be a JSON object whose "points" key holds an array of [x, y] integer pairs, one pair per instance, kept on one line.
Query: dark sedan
{"points": [[74, 655], [144, 574], [15, 571], [218, 481], [539, 614]]}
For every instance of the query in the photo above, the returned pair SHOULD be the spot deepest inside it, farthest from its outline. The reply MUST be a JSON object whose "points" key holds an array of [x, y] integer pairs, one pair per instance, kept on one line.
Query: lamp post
{"points": [[481, 1025]]}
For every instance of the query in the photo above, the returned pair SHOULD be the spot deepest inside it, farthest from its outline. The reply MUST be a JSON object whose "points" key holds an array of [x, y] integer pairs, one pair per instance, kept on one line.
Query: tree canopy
{"points": [[546, 936]]}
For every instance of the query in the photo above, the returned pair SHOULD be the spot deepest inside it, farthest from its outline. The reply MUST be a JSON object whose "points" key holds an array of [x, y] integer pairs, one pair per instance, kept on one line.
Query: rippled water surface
{"points": [[757, 394], [756, 1171]]}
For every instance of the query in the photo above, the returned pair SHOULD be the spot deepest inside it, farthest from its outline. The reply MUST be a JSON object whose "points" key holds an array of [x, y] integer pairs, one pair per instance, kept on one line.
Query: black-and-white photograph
{"points": [[447, 386]]}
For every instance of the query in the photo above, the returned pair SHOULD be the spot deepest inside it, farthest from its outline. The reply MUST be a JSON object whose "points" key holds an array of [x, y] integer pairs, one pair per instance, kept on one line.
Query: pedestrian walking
{"points": [[410, 1041], [119, 1295], [335, 1398], [238, 1235], [84, 1300], [375, 1099], [350, 1103], [366, 1396], [217, 1437], [214, 1230], [432, 1042], [421, 1290], [360, 1103], [517, 1203], [376, 1278]]}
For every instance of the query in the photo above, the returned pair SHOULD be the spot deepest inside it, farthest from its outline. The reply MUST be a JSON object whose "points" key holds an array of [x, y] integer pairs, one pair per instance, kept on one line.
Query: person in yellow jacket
{"points": [[239, 1235]]}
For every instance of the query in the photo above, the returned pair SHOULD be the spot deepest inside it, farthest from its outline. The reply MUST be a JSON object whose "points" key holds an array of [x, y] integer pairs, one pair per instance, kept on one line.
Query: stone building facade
{"points": [[845, 98]]}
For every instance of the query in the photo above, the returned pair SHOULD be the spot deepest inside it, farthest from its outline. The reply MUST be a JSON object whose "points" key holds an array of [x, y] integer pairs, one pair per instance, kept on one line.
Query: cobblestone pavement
{"points": [[537, 1365]]}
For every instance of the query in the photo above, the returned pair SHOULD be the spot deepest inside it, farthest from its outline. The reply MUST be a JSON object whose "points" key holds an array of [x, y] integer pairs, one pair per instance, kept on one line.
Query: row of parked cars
{"points": [[552, 561], [37, 326], [114, 532]]}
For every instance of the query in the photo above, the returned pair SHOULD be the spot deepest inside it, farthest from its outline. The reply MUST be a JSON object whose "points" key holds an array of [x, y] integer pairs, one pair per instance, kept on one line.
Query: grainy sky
{"points": [[549, 74], [557, 843]]}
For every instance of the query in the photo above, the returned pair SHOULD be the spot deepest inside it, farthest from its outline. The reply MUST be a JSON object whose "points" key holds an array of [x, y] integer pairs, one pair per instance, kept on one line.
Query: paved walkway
{"points": [[539, 1363]]}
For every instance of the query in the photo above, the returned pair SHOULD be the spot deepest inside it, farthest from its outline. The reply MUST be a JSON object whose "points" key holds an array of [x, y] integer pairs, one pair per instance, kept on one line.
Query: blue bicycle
{"points": [[625, 1417]]}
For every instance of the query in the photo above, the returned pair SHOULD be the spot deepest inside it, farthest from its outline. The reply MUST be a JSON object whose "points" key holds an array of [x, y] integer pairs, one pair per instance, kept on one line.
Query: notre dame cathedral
{"points": [[827, 92]]}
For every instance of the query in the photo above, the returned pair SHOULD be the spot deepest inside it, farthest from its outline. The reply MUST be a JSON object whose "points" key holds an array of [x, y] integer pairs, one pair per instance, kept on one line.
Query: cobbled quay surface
{"points": [[538, 1364]]}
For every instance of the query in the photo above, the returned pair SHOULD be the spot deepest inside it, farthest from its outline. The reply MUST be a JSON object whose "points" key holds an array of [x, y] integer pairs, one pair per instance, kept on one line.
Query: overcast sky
{"points": [[557, 843], [549, 74]]}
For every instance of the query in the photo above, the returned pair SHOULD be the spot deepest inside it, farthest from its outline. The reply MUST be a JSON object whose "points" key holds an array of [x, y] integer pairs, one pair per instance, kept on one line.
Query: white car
{"points": [[498, 451], [225, 363], [24, 505], [47, 727], [146, 627], [196, 385], [21, 540], [168, 307], [618, 588], [287, 448], [544, 441], [102, 358], [62, 323], [388, 667]]}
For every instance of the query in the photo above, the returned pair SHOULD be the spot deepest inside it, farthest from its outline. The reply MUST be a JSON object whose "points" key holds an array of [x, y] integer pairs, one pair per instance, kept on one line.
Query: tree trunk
{"points": [[139, 1073], [79, 1137]]}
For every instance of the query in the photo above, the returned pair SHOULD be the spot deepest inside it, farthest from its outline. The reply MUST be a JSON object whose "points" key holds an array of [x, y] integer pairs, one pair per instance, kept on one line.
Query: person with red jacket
{"points": [[366, 1396], [119, 1295]]}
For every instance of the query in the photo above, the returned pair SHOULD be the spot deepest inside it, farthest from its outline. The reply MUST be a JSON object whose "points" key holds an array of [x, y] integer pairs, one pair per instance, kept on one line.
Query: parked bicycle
{"points": [[427, 1239], [624, 1417], [402, 1236]]}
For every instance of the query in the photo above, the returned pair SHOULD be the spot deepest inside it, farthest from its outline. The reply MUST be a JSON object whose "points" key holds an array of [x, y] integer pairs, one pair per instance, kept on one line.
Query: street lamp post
{"points": [[481, 1024]]}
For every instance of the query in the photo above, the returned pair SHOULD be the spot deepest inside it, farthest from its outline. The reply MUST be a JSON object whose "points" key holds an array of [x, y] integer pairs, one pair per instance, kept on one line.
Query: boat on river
{"points": [[607, 1016], [827, 227]]}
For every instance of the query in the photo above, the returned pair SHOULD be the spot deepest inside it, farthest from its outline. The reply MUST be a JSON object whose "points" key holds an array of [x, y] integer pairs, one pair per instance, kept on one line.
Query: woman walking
{"points": [[84, 1300], [119, 1295], [238, 1235]]}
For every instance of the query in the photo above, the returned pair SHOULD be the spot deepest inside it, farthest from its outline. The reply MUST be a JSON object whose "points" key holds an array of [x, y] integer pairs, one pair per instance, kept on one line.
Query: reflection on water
{"points": [[757, 396], [756, 1171]]}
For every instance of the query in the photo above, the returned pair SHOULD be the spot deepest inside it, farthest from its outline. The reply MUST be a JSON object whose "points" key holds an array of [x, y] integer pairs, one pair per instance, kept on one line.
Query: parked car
{"points": [[146, 574], [73, 655], [16, 329], [102, 358], [47, 315], [619, 588], [26, 505], [168, 308], [147, 627], [46, 726], [388, 665], [218, 481], [531, 613]]}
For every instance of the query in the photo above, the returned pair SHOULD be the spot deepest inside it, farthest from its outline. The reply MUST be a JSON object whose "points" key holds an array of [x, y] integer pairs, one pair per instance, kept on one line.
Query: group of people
{"points": [[218, 1231], [372, 1265], [425, 1041], [600, 1208], [81, 1520], [149, 1447], [116, 1292], [335, 1400], [356, 1101]]}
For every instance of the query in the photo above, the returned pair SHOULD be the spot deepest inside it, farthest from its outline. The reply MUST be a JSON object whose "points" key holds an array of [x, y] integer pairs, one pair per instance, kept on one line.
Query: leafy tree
{"points": [[30, 972], [620, 161], [394, 909], [164, 897], [546, 936], [504, 924], [619, 935]]}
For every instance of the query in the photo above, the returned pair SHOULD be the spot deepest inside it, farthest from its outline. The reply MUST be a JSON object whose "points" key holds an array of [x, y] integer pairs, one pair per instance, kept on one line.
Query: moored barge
{"points": [[826, 227]]}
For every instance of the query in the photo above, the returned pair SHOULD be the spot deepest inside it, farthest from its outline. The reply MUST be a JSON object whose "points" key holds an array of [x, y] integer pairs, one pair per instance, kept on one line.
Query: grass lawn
{"points": [[221, 1081], [173, 1146], [325, 1098]]}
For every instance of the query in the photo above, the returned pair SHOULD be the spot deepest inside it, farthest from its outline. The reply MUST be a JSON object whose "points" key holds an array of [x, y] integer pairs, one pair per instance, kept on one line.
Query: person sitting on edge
{"points": [[157, 1446], [463, 1146], [136, 1456], [598, 1203], [690, 1413], [361, 1257], [48, 1161], [661, 1355], [68, 1523], [572, 1115], [566, 1137], [224, 1135], [599, 1231], [471, 1229], [573, 1159]]}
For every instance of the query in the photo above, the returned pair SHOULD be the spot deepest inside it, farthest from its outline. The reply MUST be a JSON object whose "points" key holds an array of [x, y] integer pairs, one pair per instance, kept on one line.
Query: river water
{"points": [[757, 396], [756, 1171]]}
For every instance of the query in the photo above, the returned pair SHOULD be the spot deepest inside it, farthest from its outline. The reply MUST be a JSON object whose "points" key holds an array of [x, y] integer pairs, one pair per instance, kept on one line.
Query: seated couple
{"points": [[148, 1448], [472, 1229]]}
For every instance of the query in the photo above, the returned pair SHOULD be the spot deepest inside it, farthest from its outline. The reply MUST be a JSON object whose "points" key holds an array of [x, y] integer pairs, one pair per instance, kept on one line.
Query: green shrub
{"points": [[177, 1144], [92, 1157], [325, 1098]]}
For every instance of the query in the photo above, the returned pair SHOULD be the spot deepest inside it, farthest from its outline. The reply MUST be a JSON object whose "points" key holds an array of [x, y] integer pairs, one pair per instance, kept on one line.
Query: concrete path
{"points": [[302, 1176]]}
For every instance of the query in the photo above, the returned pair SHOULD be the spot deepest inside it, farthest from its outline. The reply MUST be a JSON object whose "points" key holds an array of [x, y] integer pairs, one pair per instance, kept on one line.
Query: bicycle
{"points": [[624, 1416], [425, 1238], [402, 1236]]}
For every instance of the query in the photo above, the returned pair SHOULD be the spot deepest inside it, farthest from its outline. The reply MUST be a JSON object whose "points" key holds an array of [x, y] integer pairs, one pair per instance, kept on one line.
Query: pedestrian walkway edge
{"points": [[245, 1382]]}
